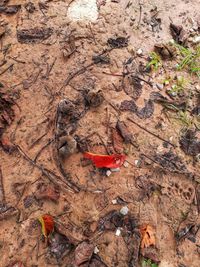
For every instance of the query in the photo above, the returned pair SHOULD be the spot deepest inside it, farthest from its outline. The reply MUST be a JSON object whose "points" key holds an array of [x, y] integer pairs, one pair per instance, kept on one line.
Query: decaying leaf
{"points": [[47, 191], [178, 33], [148, 236], [111, 221], [83, 253], [106, 161], [96, 262], [10, 10], [165, 51], [59, 246], [6, 112], [47, 223], [190, 143], [117, 141], [7, 146], [33, 35], [147, 111], [128, 105], [118, 42], [94, 99], [124, 131], [7, 211]]}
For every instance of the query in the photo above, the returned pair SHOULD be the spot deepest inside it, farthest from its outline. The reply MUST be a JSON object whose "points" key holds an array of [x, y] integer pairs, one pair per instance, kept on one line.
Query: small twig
{"points": [[2, 194], [83, 69], [155, 135], [9, 67], [54, 178], [17, 60], [113, 74], [92, 34], [77, 73], [101, 139], [49, 69], [140, 16], [37, 141], [44, 147]]}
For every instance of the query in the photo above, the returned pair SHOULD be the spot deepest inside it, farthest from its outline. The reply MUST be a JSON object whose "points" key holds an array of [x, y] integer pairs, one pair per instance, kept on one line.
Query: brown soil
{"points": [[35, 76]]}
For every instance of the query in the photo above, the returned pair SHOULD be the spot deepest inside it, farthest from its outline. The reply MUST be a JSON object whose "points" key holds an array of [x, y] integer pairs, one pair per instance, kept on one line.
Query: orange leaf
{"points": [[47, 223], [148, 236], [105, 161]]}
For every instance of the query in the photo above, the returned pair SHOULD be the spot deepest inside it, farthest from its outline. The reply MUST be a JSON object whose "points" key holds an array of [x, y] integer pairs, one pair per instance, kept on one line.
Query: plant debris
{"points": [[94, 99], [118, 42], [34, 35], [117, 141], [165, 51], [148, 236], [147, 111], [47, 191], [47, 223], [170, 161], [6, 111], [10, 10], [178, 33], [189, 143], [59, 246], [83, 253], [128, 105]]}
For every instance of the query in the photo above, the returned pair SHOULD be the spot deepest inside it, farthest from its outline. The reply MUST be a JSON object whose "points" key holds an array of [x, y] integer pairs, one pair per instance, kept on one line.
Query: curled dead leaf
{"points": [[83, 253], [47, 223], [148, 236]]}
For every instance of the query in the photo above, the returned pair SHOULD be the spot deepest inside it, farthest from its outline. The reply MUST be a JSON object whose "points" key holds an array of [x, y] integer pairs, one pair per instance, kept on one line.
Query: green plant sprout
{"points": [[155, 61], [190, 59], [184, 118], [148, 263], [179, 86]]}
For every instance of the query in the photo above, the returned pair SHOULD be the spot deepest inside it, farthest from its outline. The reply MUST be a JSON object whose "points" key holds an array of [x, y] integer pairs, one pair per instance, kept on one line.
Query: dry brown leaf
{"points": [[83, 253], [148, 236]]}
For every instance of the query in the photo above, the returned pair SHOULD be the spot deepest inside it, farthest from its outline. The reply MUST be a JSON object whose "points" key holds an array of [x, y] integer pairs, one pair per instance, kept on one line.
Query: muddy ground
{"points": [[48, 55]]}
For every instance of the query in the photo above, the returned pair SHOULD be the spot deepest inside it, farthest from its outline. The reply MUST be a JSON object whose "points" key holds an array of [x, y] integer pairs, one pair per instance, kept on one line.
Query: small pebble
{"points": [[114, 201], [126, 164], [137, 162], [159, 86], [118, 232], [108, 173], [139, 52], [115, 170], [196, 40], [171, 41], [96, 250], [124, 210]]}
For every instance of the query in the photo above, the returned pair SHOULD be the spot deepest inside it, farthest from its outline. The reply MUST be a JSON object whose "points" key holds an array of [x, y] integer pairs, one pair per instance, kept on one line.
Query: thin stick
{"points": [[140, 16], [54, 178], [155, 135], [2, 194], [7, 69], [50, 68], [41, 150]]}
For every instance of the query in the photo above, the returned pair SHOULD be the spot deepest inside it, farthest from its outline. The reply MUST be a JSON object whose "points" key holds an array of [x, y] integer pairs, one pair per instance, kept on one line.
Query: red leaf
{"points": [[105, 161], [47, 223]]}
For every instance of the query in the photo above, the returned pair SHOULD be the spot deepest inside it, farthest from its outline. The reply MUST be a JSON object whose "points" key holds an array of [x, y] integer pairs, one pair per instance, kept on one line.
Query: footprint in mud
{"points": [[181, 189]]}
